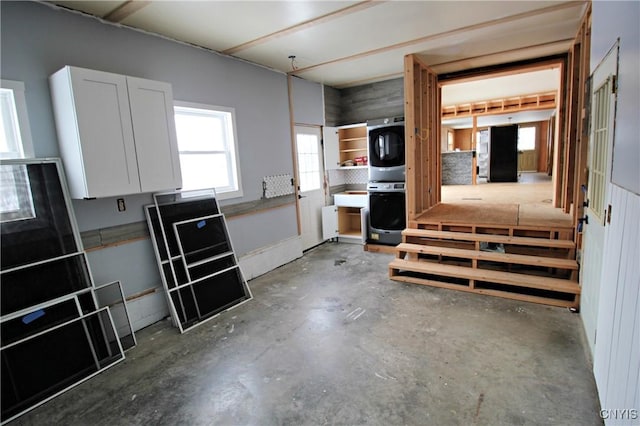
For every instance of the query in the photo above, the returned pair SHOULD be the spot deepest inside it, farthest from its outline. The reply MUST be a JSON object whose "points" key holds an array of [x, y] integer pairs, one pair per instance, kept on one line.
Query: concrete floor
{"points": [[328, 339]]}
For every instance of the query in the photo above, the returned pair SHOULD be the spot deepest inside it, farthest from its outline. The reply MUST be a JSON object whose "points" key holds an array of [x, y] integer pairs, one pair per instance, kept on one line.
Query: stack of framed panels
{"points": [[199, 268], [53, 335]]}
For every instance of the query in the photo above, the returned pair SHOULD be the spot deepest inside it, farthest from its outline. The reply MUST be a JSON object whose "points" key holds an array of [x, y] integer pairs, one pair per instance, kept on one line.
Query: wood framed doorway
{"points": [[423, 95], [495, 253]]}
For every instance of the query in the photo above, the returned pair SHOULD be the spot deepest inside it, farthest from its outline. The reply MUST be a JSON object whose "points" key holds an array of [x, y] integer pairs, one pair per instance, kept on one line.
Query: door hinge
{"points": [[609, 215]]}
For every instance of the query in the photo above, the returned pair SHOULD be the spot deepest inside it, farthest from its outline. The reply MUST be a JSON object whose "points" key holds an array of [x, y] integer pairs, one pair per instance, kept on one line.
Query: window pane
{"points": [[10, 140], [200, 131], [308, 162], [16, 202], [205, 171], [526, 138]]}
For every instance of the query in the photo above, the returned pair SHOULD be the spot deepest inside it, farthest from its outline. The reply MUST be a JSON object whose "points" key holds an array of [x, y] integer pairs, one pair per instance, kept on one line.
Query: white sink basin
{"points": [[351, 199]]}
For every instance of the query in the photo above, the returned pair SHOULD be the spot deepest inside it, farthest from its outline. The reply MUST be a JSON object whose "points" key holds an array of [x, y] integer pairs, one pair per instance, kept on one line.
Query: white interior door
{"points": [[310, 184], [603, 101]]}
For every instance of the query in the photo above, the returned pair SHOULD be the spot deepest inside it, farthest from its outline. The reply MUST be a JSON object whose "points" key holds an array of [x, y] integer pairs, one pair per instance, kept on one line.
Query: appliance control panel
{"points": [[385, 186]]}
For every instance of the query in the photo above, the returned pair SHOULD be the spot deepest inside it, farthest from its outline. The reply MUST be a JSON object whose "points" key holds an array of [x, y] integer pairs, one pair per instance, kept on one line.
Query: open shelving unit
{"points": [[352, 143]]}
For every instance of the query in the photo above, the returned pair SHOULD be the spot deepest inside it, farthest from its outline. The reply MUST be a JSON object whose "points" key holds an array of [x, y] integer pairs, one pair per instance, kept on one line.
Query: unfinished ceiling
{"points": [[349, 43]]}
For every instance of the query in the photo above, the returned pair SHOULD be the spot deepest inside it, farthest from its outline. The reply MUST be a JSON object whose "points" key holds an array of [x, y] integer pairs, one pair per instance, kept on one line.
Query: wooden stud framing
{"points": [[294, 151], [582, 131], [422, 133], [448, 255]]}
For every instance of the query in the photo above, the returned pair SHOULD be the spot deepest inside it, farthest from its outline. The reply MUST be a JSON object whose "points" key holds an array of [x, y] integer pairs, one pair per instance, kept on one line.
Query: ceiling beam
{"points": [[445, 34], [125, 10], [303, 25], [503, 69], [560, 44]]}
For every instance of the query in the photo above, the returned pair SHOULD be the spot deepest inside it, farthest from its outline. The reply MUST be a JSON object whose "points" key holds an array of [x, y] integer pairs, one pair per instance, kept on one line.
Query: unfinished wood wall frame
{"points": [[574, 122], [573, 82], [422, 130], [294, 150], [583, 40]]}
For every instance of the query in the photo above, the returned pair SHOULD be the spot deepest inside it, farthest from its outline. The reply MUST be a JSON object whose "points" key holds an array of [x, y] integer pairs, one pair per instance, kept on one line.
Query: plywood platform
{"points": [[526, 204], [505, 214], [482, 213]]}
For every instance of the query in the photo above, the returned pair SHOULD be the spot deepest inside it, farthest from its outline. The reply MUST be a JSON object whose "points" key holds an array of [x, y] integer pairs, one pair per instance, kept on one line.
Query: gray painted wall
{"points": [[36, 40], [307, 102], [620, 19]]}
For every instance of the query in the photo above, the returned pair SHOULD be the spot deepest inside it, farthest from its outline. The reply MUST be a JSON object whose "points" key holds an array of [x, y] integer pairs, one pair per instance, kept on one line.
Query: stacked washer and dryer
{"points": [[386, 186]]}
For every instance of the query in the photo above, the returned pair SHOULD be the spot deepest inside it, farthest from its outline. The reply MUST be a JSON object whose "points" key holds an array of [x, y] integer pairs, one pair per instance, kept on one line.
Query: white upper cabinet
{"points": [[116, 133], [154, 131]]}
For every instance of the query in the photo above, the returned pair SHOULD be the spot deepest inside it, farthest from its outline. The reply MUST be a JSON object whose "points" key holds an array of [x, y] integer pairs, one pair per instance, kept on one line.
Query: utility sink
{"points": [[351, 199]]}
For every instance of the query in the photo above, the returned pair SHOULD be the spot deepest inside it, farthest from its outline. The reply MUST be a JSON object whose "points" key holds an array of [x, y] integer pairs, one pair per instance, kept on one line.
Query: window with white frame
{"points": [[208, 148], [15, 134]]}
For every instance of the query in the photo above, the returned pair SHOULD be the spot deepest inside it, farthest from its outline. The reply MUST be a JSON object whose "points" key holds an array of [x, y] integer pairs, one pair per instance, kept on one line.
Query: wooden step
{"points": [[485, 275], [520, 259], [552, 301], [488, 238]]}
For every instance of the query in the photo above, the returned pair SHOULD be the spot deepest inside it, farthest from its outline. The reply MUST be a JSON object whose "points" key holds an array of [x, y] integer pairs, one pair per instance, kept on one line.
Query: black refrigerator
{"points": [[503, 154]]}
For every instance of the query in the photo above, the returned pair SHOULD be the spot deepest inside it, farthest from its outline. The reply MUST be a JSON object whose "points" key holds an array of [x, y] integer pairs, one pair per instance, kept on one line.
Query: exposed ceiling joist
{"points": [[445, 34], [556, 45], [303, 25], [125, 10], [346, 43]]}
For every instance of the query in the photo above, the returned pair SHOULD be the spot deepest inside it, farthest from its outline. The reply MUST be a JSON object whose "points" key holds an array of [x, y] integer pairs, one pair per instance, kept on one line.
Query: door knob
{"points": [[582, 221]]}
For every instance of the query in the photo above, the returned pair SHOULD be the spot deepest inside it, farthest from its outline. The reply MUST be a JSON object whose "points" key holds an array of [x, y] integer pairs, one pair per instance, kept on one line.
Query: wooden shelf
{"points": [[354, 150], [352, 142], [349, 222]]}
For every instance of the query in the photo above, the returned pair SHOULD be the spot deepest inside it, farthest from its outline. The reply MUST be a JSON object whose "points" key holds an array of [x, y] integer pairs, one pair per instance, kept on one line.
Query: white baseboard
{"points": [[265, 259], [147, 309], [152, 307]]}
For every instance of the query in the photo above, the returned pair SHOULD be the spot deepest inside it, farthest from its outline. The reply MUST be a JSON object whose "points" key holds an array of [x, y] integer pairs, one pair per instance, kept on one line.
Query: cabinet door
{"points": [[329, 222], [331, 148], [102, 148], [154, 131]]}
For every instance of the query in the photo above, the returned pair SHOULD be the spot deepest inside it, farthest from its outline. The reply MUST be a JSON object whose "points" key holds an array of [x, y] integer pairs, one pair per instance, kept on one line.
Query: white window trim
{"points": [[229, 194], [23, 116]]}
